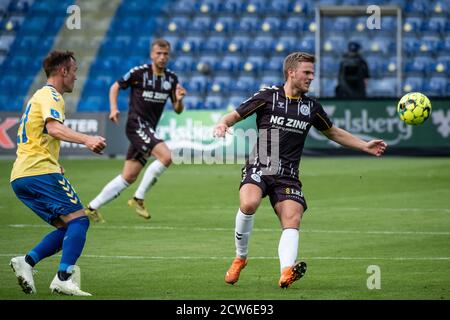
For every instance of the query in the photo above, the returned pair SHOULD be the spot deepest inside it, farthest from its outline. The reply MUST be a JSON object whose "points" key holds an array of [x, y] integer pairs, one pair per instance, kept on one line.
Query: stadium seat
{"points": [[207, 64], [435, 25], [271, 25], [430, 44], [200, 25], [330, 65], [193, 102], [278, 7], [254, 65], [413, 84], [239, 44], [412, 25], [215, 45], [436, 86], [230, 64], [183, 63], [301, 7], [335, 44], [244, 85], [328, 86], [384, 87], [342, 24], [224, 24], [419, 65], [220, 85], [256, 7], [248, 24], [185, 7], [192, 44], [417, 7], [214, 103], [293, 25], [308, 44], [411, 45], [178, 24], [268, 81], [209, 7], [233, 7], [235, 100], [261, 45], [197, 85]]}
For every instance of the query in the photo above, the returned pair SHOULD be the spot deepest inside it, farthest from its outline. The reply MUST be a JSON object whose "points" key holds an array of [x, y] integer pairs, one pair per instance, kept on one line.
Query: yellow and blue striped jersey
{"points": [[37, 151]]}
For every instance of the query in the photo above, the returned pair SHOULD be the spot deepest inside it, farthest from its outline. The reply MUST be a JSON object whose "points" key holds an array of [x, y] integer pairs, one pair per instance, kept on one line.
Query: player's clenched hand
{"points": [[114, 116], [376, 147], [220, 129], [95, 143], [180, 92]]}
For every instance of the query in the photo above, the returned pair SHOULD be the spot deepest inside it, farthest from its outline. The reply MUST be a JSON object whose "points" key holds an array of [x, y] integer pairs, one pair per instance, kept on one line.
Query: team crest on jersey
{"points": [[54, 113], [256, 177], [167, 85], [304, 110]]}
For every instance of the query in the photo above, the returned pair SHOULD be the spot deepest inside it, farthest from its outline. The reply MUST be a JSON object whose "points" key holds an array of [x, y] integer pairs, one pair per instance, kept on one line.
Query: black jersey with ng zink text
{"points": [[283, 124], [149, 92]]}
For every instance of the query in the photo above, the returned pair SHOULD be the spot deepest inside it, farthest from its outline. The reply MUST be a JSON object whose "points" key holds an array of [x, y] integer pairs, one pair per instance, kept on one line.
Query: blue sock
{"points": [[73, 243], [48, 246]]}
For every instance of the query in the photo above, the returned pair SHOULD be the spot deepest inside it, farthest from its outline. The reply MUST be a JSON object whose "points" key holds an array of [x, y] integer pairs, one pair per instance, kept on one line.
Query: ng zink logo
{"points": [[374, 280], [74, 19]]}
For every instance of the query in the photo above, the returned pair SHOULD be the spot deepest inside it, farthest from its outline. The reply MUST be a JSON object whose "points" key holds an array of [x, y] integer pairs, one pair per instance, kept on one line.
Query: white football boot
{"points": [[24, 274], [71, 286]]}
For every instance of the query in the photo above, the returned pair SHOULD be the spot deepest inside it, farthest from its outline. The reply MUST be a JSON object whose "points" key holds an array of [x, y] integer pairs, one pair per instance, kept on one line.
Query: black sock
{"points": [[63, 275], [30, 261]]}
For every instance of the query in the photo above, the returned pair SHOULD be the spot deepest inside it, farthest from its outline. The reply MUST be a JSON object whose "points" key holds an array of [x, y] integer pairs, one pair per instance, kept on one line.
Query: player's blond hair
{"points": [[290, 62], [163, 43]]}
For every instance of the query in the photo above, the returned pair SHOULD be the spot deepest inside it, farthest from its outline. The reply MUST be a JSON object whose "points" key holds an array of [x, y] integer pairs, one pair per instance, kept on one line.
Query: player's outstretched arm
{"points": [[114, 109], [225, 123], [61, 132], [375, 147]]}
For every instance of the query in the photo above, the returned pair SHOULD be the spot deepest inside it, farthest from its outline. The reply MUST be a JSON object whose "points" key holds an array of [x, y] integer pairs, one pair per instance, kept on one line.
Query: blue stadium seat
{"points": [[192, 44], [330, 65], [275, 65], [417, 7], [248, 24], [411, 45], [209, 7], [268, 81], [185, 7], [235, 100], [385, 87], [261, 45], [342, 24], [256, 7], [286, 44], [384, 44], [420, 65], [430, 44], [201, 25], [254, 65], [230, 64], [308, 44], [193, 102], [239, 44], [225, 24], [335, 44], [207, 64], [301, 7], [413, 84], [436, 86], [244, 85], [435, 25], [197, 85], [442, 64], [178, 24], [220, 85], [293, 24], [233, 7], [278, 7], [183, 63], [412, 25], [215, 44], [271, 25], [328, 86], [214, 103]]}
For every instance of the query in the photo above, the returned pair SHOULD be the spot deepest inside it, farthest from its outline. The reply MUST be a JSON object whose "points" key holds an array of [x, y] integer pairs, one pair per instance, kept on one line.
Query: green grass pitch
{"points": [[390, 212]]}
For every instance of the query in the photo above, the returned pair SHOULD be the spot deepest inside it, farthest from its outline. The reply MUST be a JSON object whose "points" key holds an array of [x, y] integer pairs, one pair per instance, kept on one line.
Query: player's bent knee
{"points": [[249, 207]]}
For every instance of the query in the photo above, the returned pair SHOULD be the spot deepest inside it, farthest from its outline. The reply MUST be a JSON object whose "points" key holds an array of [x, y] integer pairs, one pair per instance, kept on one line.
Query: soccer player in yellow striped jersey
{"points": [[38, 181]]}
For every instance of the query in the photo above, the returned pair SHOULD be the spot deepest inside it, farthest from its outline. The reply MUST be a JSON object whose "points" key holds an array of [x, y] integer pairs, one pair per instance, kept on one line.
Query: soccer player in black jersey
{"points": [[284, 116], [151, 85]]}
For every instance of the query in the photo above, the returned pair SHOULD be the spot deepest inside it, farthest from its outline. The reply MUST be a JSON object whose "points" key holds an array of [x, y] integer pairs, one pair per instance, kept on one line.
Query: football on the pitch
{"points": [[414, 108]]}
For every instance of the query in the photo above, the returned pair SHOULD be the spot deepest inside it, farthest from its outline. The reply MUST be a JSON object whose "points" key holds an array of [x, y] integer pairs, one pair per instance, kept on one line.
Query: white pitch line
{"points": [[111, 227], [120, 257]]}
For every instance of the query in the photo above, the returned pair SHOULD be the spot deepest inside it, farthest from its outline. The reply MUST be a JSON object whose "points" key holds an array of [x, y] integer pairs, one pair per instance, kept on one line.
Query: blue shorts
{"points": [[48, 195]]}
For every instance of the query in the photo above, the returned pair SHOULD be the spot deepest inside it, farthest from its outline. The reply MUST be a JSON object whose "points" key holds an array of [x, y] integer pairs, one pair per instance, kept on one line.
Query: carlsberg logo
{"points": [[367, 127]]}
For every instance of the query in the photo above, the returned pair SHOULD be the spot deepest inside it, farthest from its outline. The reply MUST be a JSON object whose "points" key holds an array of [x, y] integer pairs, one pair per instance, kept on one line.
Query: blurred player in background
{"points": [[38, 181], [287, 113], [151, 86]]}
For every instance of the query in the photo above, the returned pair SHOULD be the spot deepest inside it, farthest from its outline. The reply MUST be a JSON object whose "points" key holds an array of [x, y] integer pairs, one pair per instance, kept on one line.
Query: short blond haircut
{"points": [[291, 61], [163, 43]]}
